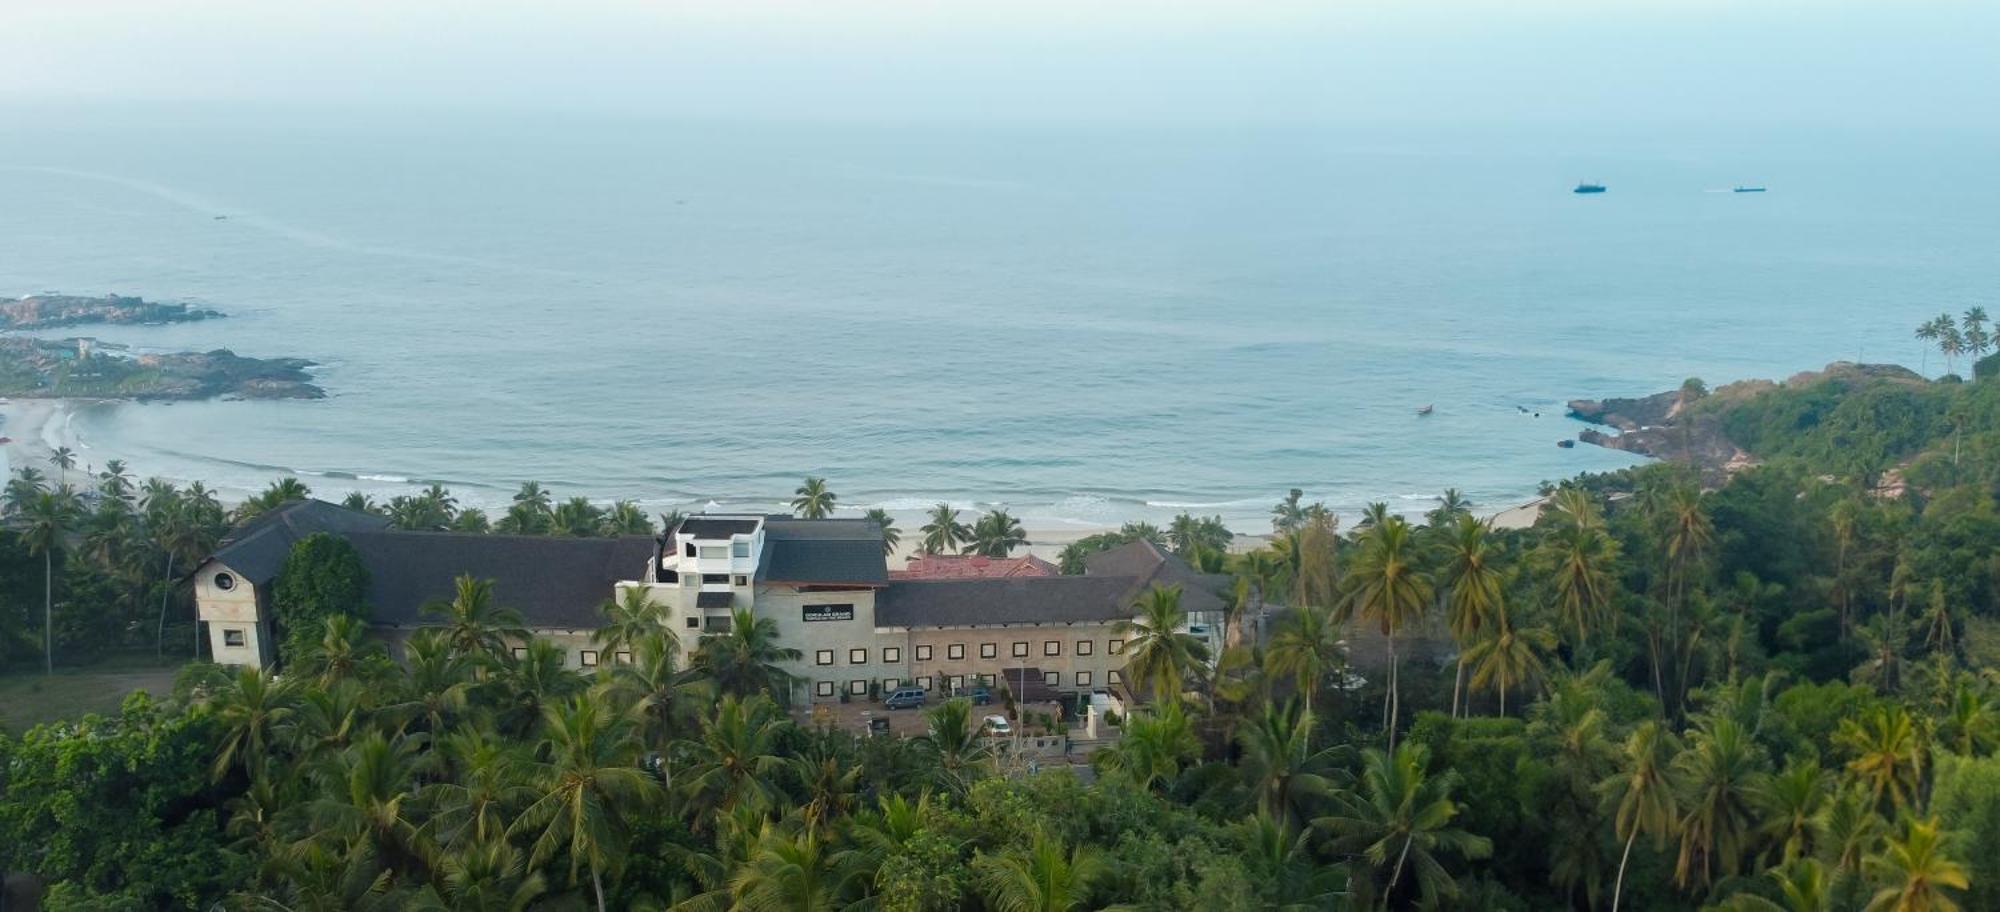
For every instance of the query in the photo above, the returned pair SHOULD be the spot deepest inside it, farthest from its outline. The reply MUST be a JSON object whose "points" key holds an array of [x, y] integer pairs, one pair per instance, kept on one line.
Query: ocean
{"points": [[1086, 324]]}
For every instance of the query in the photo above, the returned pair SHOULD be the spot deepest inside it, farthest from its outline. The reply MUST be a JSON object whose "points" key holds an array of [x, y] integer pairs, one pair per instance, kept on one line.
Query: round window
{"points": [[225, 582]]}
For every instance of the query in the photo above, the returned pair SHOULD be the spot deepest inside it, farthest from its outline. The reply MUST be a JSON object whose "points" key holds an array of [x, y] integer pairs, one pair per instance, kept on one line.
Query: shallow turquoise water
{"points": [[1085, 325]]}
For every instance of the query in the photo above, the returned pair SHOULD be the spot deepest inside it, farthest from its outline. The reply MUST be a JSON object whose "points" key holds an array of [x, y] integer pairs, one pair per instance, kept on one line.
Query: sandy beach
{"points": [[34, 428]]}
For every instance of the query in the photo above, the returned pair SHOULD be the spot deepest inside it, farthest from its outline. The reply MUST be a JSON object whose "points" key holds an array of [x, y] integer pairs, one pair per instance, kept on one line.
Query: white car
{"points": [[999, 726]]}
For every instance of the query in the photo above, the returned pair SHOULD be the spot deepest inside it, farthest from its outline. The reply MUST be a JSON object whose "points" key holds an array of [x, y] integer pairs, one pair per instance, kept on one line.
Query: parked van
{"points": [[904, 698]]}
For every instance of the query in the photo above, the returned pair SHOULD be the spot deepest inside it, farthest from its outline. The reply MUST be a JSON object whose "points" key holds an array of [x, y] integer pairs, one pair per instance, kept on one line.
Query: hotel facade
{"points": [[824, 583]]}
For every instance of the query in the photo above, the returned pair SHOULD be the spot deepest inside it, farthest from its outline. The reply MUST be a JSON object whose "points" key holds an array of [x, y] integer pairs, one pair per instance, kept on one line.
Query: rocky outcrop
{"points": [[51, 311], [1628, 414], [88, 369]]}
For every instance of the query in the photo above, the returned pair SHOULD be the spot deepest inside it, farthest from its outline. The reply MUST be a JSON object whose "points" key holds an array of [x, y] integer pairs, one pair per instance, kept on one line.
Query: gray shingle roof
{"points": [[1151, 565], [1008, 600], [823, 552], [256, 550], [552, 581], [704, 527]]}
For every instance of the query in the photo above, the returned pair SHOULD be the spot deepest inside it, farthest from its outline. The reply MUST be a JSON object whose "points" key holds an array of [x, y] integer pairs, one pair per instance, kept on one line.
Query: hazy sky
{"points": [[1888, 62]]}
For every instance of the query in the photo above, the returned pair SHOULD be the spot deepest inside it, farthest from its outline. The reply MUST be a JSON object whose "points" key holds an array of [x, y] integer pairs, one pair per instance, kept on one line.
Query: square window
{"points": [[710, 579], [1117, 647], [1052, 648], [955, 651], [719, 624], [857, 657], [957, 682], [689, 550], [520, 652], [989, 650], [823, 689], [823, 657], [693, 623], [889, 684], [742, 580], [923, 653], [987, 680], [589, 658], [857, 687], [1114, 677], [690, 581], [924, 681], [1052, 678], [232, 638], [739, 549], [1083, 647], [624, 658], [1021, 649], [892, 654], [1083, 679]]}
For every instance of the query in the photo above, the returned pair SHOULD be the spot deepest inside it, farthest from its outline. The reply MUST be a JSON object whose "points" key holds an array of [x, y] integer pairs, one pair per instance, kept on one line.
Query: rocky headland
{"points": [[89, 369], [50, 311], [1688, 425]]}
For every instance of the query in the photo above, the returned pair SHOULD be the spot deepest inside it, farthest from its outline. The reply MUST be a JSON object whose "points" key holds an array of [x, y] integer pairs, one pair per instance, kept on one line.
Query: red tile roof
{"points": [[969, 566]]}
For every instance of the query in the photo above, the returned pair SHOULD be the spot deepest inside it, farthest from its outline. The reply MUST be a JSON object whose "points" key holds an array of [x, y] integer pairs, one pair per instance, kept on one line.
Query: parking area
{"points": [[856, 716]]}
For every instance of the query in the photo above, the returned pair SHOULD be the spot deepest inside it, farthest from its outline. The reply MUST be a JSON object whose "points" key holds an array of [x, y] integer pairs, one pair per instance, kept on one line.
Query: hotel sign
{"points": [[829, 612]]}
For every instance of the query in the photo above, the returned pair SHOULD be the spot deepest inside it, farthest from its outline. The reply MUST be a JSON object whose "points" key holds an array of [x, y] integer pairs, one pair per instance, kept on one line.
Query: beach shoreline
{"points": [[36, 427]]}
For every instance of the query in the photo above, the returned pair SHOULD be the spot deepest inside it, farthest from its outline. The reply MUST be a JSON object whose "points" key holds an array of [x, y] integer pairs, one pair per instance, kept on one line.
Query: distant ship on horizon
{"points": [[1749, 190], [1588, 188]]}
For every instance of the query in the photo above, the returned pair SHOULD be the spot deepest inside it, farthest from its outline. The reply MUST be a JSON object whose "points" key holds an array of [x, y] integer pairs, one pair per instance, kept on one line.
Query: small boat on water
{"points": [[1566, 444], [1748, 190], [1588, 188], [1425, 410]]}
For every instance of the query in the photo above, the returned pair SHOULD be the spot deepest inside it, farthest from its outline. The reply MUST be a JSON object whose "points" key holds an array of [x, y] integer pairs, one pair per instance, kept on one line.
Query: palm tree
{"points": [[891, 537], [250, 712], [439, 679], [1473, 598], [48, 520], [953, 738], [179, 531], [746, 659], [1580, 557], [280, 492], [1451, 506], [22, 489], [789, 873], [1510, 658], [576, 517], [625, 518], [1280, 762], [1971, 726], [1308, 648], [487, 876], [1918, 872], [944, 533], [1789, 804], [1401, 820], [1046, 877], [1155, 746], [115, 481], [366, 799], [1803, 885], [1929, 331], [736, 762], [1388, 588], [628, 619], [1722, 770], [1261, 569], [1643, 791], [475, 625], [533, 496], [814, 501], [64, 459], [997, 534], [587, 786], [1159, 652], [1887, 757], [472, 806], [528, 683], [662, 699]]}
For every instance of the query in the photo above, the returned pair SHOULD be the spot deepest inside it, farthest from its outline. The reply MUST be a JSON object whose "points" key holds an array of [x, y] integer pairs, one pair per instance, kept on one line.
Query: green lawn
{"points": [[30, 698]]}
